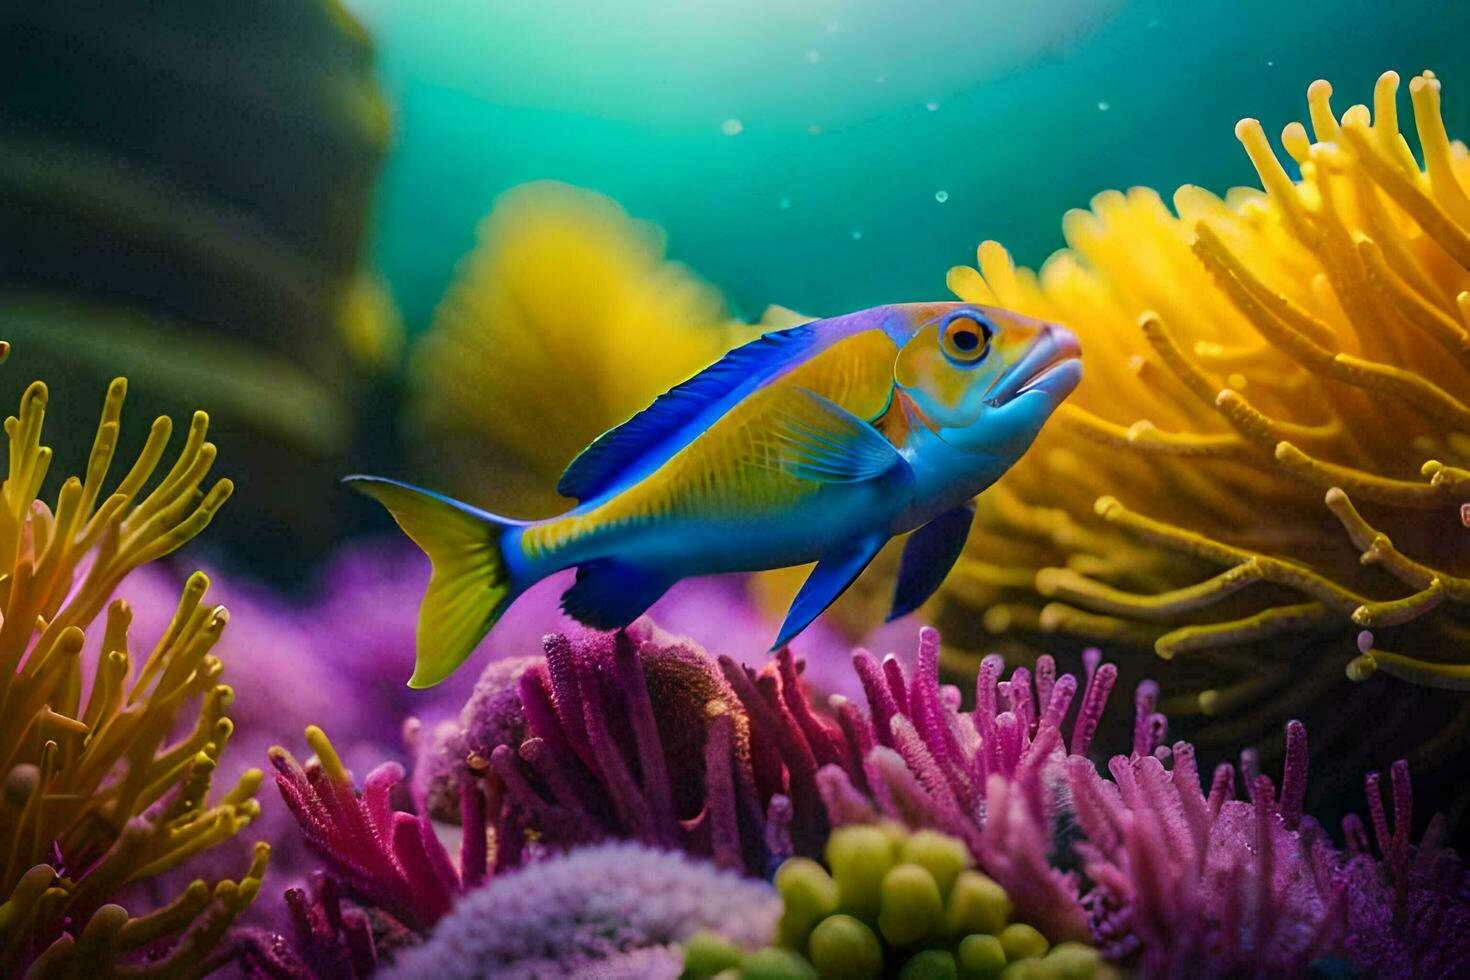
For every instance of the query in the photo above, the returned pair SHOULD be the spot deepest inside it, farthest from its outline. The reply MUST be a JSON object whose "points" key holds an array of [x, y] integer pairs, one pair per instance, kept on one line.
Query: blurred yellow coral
{"points": [[565, 321], [100, 789], [1272, 441]]}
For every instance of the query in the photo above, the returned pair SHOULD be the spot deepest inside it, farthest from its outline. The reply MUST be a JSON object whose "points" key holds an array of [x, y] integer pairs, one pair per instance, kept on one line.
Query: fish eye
{"points": [[966, 339]]}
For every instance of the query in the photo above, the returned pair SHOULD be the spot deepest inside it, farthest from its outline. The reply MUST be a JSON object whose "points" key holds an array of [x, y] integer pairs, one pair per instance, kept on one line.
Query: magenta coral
{"points": [[637, 736], [989, 777], [387, 858], [1173, 877], [1200, 883], [1178, 879]]}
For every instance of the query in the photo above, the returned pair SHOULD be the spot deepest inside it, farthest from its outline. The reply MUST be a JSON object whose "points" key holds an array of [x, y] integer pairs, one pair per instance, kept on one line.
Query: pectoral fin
{"points": [[824, 442], [827, 581], [930, 553]]}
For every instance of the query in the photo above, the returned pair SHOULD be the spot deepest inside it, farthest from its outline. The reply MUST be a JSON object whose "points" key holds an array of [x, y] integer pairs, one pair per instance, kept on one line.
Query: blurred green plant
{"points": [[185, 197]]}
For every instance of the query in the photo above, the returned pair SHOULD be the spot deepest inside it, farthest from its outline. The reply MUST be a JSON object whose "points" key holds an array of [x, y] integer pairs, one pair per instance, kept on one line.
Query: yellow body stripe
{"points": [[735, 467]]}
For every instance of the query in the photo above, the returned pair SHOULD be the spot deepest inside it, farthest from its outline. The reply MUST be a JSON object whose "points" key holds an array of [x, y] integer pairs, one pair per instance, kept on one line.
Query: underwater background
{"points": [[855, 119], [454, 241]]}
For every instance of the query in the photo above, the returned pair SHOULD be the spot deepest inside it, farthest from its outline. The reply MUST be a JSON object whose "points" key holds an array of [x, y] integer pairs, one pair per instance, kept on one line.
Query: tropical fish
{"points": [[817, 443]]}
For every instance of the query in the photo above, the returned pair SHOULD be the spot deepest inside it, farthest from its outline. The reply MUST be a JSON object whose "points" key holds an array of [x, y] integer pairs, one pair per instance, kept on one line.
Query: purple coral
{"points": [[328, 938], [1175, 881], [1408, 914], [617, 909], [1205, 884], [638, 735]]}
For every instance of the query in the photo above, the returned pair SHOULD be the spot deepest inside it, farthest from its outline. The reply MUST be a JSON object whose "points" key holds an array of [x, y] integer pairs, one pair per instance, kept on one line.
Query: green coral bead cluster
{"points": [[894, 904]]}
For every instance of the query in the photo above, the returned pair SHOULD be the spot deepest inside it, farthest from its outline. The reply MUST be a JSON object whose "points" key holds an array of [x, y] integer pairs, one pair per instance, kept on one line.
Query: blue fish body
{"points": [[817, 443]]}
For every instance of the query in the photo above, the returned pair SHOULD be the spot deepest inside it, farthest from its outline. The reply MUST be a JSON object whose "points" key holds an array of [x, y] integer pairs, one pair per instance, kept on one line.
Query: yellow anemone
{"points": [[1275, 415], [100, 790], [565, 321]]}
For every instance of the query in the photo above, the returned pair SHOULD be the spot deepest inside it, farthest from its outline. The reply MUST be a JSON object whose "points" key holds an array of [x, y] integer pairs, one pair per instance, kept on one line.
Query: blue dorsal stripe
{"points": [[599, 466]]}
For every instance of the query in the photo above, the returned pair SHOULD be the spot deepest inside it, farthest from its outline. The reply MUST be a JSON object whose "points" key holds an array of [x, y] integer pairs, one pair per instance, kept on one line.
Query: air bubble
{"points": [[941, 196], [732, 127]]}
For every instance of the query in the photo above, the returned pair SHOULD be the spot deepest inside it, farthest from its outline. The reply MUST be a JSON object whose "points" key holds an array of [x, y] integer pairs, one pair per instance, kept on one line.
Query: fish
{"points": [[816, 443]]}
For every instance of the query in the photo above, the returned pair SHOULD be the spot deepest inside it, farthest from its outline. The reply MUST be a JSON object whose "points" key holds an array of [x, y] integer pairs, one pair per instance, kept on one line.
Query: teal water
{"points": [[832, 155]]}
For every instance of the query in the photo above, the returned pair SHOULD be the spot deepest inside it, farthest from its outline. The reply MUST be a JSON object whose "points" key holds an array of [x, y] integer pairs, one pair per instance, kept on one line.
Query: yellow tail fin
{"points": [[470, 586]]}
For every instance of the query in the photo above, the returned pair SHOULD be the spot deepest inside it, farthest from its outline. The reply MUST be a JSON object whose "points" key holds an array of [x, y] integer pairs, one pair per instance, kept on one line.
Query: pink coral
{"points": [[991, 777], [1172, 878], [1207, 884], [638, 735]]}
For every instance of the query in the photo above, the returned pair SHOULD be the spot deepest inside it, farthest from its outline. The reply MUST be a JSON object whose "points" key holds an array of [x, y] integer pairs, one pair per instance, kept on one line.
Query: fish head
{"points": [[983, 378]]}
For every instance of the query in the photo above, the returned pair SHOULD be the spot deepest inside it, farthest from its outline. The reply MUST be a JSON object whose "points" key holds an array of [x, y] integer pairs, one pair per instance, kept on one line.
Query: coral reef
{"points": [[101, 787], [1172, 876], [336, 652], [1274, 415], [926, 764], [998, 814], [1188, 879]]}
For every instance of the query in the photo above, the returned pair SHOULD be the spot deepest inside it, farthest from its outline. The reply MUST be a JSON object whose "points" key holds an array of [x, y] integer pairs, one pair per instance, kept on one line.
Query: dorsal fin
{"points": [[600, 465]]}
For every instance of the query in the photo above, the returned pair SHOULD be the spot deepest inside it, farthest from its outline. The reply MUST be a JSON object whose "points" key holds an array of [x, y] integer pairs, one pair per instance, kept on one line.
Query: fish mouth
{"points": [[1052, 367]]}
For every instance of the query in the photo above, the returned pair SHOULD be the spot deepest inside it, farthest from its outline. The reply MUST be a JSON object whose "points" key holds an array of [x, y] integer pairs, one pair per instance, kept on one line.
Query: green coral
{"points": [[893, 903]]}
